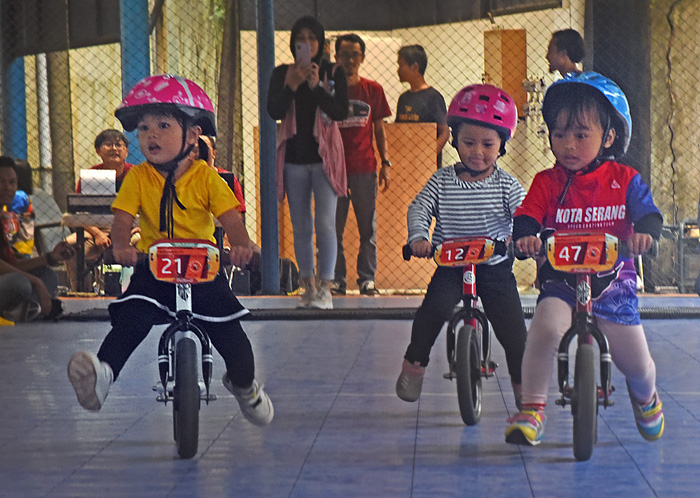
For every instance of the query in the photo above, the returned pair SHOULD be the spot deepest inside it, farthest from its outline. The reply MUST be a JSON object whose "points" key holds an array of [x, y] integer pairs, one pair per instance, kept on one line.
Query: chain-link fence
{"points": [[66, 86]]}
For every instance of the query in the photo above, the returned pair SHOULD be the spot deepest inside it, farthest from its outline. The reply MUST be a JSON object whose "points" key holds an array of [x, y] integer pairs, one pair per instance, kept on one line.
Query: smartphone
{"points": [[303, 53]]}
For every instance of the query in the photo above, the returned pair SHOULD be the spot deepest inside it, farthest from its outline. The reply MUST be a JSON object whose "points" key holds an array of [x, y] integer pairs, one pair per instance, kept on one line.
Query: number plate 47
{"points": [[582, 252]]}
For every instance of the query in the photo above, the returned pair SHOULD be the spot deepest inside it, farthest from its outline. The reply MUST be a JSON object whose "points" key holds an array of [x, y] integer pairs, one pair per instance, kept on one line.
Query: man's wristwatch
{"points": [[386, 162]]}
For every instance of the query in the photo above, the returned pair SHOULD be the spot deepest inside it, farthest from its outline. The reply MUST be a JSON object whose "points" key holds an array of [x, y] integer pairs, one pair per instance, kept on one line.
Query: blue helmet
{"points": [[610, 92]]}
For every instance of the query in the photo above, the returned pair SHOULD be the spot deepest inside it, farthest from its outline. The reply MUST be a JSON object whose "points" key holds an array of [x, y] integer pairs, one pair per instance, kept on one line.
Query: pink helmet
{"points": [[485, 105], [167, 90]]}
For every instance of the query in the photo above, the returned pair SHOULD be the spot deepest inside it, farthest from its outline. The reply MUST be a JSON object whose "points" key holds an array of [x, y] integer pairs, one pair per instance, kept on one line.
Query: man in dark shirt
{"points": [[421, 103]]}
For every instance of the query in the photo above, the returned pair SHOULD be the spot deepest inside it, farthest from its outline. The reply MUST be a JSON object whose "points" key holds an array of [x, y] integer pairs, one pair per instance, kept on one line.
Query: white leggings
{"points": [[552, 318]]}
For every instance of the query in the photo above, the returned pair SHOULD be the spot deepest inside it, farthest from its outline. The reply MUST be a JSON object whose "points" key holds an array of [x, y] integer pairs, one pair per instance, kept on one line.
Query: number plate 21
{"points": [[184, 262]]}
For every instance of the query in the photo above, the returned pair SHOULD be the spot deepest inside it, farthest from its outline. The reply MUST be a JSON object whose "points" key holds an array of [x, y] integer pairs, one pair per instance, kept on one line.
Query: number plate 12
{"points": [[461, 252]]}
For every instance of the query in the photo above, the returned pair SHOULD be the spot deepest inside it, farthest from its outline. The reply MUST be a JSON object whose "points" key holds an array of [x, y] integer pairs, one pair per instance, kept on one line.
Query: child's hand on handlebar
{"points": [[127, 256], [240, 255], [422, 248], [639, 243], [529, 246]]}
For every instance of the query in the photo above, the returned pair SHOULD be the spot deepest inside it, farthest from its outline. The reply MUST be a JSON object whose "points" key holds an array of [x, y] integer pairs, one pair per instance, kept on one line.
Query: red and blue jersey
{"points": [[612, 198]]}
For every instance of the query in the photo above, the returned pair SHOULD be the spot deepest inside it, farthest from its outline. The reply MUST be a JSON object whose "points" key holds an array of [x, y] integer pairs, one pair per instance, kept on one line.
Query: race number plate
{"points": [[582, 252], [461, 252], [184, 261]]}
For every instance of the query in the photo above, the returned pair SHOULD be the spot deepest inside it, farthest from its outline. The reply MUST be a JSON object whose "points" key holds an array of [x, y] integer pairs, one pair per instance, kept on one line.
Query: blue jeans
{"points": [[302, 181], [363, 194]]}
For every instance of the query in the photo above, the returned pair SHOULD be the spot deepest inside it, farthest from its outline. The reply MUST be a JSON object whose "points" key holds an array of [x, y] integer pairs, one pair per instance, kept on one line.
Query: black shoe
{"points": [[56, 310], [367, 288], [338, 289]]}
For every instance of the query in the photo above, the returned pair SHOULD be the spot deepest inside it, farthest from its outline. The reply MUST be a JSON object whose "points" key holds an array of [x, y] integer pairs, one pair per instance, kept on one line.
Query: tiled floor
{"points": [[339, 429]]}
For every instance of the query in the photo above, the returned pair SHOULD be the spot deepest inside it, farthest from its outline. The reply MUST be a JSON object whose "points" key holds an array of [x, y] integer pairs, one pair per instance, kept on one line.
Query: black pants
{"points": [[134, 321], [497, 288]]}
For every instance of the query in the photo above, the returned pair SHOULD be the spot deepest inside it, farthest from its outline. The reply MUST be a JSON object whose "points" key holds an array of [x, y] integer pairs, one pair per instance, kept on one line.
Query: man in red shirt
{"points": [[368, 108], [112, 147]]}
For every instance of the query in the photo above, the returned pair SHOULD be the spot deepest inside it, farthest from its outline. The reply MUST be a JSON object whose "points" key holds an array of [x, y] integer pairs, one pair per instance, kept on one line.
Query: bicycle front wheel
{"points": [[468, 363], [584, 402], [186, 399]]}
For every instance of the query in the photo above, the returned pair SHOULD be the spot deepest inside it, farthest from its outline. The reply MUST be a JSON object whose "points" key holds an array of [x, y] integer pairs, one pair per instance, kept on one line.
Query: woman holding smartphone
{"points": [[310, 96]]}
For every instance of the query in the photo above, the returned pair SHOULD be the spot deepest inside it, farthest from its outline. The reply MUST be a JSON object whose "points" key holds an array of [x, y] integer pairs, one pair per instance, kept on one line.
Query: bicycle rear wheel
{"points": [[186, 399], [468, 363], [584, 402]]}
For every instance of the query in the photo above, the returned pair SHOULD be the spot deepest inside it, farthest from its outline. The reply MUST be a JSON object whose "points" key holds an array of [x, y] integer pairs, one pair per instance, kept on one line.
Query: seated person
{"points": [[289, 274], [27, 286], [206, 148], [19, 216], [112, 147]]}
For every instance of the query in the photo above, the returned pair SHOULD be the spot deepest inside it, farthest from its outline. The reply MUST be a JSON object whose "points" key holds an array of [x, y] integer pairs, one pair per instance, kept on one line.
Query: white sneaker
{"points": [[91, 379], [323, 299], [26, 311], [255, 404]]}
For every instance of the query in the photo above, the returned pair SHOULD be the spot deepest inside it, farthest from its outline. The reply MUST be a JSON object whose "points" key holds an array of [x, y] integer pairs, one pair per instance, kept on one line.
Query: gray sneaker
{"points": [[255, 404], [309, 286], [410, 382], [91, 379]]}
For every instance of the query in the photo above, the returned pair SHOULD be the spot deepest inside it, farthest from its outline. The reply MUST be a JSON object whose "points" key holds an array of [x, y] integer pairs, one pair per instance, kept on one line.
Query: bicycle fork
{"points": [[585, 328], [184, 328], [473, 316]]}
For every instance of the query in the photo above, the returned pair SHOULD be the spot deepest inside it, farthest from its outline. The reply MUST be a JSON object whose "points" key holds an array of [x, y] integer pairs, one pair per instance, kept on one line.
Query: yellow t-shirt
{"points": [[201, 190]]}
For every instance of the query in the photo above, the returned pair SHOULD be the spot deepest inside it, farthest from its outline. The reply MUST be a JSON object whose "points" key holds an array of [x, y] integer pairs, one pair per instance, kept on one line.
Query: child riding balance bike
{"points": [[176, 197], [473, 198], [587, 190]]}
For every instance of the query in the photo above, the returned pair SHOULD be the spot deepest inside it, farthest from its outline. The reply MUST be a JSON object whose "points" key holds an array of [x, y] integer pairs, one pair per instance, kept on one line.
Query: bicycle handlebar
{"points": [[500, 249], [652, 253], [142, 257]]}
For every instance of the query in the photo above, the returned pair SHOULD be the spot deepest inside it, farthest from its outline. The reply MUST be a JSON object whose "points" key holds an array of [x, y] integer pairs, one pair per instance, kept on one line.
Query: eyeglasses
{"points": [[109, 145], [350, 55]]}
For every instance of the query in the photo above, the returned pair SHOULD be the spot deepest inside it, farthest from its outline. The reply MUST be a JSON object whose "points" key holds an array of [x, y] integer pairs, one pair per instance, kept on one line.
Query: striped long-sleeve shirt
{"points": [[465, 209]]}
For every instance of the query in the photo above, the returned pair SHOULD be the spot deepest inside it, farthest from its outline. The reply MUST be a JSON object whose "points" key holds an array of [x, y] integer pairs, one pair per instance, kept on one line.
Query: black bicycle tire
{"points": [[468, 370], [585, 402], [186, 399]]}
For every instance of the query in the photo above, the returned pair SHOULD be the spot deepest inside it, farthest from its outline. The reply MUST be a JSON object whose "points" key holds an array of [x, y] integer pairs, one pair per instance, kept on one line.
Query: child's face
{"points": [[478, 147], [576, 144], [160, 138]]}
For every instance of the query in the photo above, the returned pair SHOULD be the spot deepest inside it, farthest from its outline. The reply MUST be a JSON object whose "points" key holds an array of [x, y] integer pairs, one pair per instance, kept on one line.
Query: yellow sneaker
{"points": [[526, 427]]}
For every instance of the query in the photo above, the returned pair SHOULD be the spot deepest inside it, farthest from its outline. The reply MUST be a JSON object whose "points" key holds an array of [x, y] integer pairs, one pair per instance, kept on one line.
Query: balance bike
{"points": [[185, 358], [584, 254], [468, 349]]}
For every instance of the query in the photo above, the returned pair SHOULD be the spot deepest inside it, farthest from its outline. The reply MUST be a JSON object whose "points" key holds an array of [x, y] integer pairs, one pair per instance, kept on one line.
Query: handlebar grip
{"points": [[501, 248], [652, 253], [406, 252], [108, 257]]}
